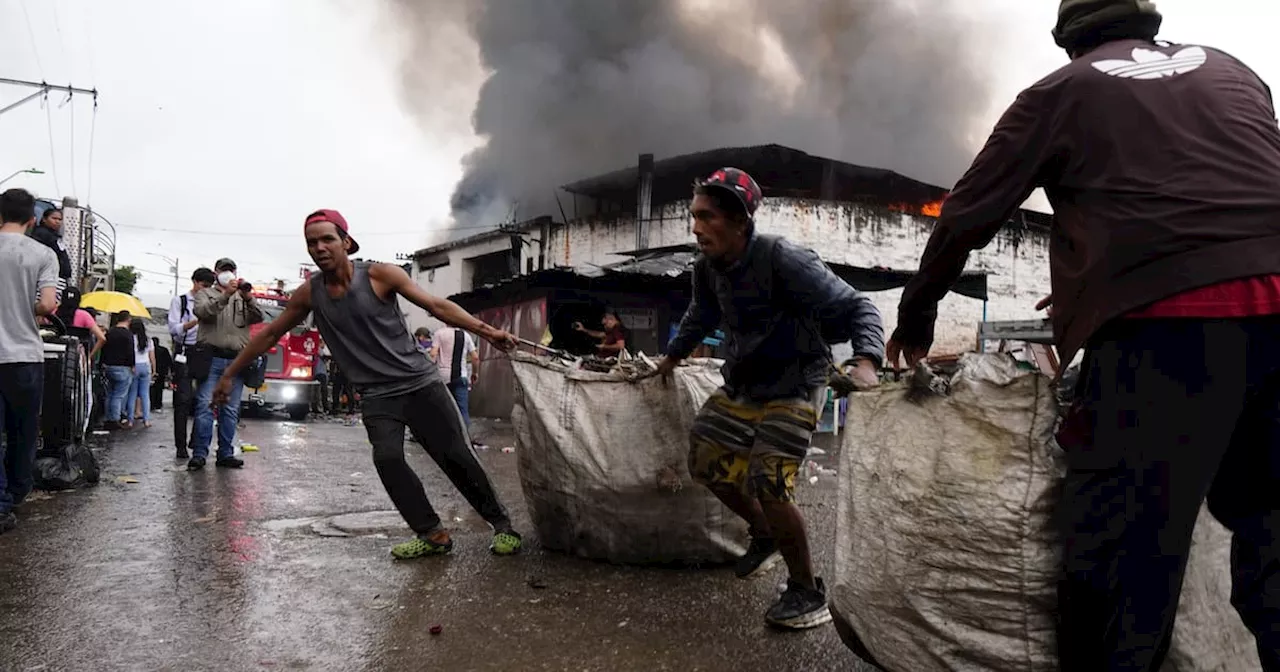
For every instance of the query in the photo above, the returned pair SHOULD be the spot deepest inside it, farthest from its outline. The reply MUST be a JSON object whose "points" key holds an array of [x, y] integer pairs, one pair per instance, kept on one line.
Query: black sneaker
{"points": [[760, 557], [8, 521], [182, 454], [799, 607], [195, 464], [229, 462]]}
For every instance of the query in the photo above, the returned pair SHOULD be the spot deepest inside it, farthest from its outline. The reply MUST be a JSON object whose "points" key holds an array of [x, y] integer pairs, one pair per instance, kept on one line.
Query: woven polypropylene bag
{"points": [[946, 557], [604, 465]]}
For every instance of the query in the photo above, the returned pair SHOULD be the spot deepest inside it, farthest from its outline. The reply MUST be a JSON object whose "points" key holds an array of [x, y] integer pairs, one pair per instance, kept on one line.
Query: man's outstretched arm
{"points": [[442, 309], [1014, 161]]}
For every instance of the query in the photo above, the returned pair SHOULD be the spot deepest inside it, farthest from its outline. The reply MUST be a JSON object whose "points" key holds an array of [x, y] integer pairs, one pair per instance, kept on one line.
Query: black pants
{"points": [[21, 393], [320, 401], [432, 415], [184, 394], [1170, 412], [157, 394]]}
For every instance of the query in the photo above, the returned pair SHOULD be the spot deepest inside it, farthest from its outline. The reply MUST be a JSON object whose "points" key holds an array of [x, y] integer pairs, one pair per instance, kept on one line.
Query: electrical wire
{"points": [[93, 126], [71, 97], [255, 234], [62, 45], [32, 34], [53, 155]]}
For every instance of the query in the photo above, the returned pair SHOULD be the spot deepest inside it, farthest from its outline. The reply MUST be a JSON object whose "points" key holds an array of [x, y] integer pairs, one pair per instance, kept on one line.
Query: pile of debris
{"points": [[630, 366]]}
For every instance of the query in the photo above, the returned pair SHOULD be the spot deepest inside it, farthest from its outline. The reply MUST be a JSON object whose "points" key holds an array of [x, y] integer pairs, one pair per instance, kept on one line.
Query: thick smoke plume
{"points": [[579, 87]]}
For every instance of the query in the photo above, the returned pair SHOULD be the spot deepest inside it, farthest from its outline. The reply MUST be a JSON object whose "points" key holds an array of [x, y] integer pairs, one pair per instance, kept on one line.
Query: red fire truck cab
{"points": [[290, 380]]}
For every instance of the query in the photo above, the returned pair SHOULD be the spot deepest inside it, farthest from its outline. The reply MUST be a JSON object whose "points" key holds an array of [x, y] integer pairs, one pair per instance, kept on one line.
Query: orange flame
{"points": [[932, 209], [929, 210]]}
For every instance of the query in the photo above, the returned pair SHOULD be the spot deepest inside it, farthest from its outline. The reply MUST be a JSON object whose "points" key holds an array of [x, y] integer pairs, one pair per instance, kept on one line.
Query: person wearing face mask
{"points": [[225, 311], [422, 336], [49, 233]]}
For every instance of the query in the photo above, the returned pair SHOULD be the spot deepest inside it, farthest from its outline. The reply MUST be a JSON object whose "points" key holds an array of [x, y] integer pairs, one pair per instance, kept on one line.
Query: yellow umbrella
{"points": [[114, 302]]}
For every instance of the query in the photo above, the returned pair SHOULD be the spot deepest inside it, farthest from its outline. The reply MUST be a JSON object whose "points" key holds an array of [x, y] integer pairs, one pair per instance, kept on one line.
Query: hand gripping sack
{"points": [[604, 465], [946, 557]]}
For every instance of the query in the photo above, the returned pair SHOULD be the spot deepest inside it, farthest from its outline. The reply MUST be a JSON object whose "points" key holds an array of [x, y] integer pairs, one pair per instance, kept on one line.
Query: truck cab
{"points": [[290, 381]]}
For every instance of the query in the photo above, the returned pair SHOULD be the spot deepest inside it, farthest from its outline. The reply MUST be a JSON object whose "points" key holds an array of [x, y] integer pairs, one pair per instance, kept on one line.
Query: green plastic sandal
{"points": [[419, 548], [506, 543]]}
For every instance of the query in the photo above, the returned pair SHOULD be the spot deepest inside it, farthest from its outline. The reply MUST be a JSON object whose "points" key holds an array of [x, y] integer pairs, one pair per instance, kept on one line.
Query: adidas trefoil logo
{"points": [[1148, 64]]}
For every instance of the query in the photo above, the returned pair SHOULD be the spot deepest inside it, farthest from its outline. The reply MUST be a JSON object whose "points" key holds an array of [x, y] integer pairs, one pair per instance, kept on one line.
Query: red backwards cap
{"points": [[335, 218]]}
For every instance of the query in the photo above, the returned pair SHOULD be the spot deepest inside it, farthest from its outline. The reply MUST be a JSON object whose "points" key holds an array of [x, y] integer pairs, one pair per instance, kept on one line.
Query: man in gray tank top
{"points": [[356, 309]]}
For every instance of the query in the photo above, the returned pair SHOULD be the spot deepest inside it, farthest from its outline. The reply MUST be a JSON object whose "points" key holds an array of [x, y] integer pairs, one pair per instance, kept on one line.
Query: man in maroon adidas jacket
{"points": [[1162, 163]]}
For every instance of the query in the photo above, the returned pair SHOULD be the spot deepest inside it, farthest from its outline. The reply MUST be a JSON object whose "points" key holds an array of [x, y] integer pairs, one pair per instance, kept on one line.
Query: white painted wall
{"points": [[454, 278], [853, 234]]}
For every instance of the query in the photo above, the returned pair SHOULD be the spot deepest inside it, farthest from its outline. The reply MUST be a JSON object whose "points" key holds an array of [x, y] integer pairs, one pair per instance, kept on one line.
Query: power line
{"points": [[32, 34], [144, 270], [255, 234], [53, 155], [93, 126], [74, 190], [62, 45]]}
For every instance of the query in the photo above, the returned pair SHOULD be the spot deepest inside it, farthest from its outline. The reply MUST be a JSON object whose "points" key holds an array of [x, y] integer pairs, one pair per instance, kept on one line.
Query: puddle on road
{"points": [[363, 524], [355, 524], [288, 523]]}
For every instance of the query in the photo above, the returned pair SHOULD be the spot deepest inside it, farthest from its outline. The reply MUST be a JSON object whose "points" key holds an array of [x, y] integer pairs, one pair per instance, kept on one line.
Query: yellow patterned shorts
{"points": [[753, 447]]}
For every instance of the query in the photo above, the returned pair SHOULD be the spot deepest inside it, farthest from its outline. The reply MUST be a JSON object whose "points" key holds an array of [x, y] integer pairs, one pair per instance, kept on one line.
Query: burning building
{"points": [[869, 224]]}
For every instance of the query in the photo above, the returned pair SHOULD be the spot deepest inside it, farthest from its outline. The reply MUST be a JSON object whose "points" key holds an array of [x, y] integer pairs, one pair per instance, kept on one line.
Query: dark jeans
{"points": [[184, 393], [21, 390], [432, 415], [1171, 412]]}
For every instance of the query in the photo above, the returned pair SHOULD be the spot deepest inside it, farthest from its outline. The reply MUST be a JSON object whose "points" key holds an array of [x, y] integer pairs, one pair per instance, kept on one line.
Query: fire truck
{"points": [[290, 380]]}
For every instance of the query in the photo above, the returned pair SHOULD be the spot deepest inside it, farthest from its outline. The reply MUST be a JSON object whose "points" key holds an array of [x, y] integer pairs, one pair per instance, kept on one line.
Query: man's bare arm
{"points": [[443, 309]]}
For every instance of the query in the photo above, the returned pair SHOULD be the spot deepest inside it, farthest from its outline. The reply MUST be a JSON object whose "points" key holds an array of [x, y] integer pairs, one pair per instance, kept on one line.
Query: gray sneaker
{"points": [[800, 608]]}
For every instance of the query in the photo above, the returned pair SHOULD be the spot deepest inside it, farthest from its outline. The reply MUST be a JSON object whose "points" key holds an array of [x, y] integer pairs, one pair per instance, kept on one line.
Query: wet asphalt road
{"points": [[242, 570]]}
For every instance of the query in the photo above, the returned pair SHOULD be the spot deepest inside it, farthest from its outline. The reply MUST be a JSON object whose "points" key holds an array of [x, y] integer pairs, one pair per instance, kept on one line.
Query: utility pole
{"points": [[173, 268], [42, 89]]}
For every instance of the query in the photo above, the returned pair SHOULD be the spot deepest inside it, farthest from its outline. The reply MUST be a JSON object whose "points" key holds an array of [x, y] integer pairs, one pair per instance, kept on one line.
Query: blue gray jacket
{"points": [[780, 305]]}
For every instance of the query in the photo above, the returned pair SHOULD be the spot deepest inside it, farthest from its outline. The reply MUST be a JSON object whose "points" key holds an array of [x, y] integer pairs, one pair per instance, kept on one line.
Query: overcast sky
{"points": [[221, 125]]}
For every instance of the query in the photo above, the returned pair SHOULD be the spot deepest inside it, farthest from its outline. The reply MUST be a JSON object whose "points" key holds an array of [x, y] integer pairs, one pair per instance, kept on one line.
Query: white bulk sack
{"points": [[946, 558], [604, 464]]}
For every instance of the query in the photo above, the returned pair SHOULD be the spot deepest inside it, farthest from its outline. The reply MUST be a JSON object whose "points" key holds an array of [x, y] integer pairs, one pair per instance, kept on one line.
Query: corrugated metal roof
{"points": [[670, 267], [485, 236], [780, 171]]}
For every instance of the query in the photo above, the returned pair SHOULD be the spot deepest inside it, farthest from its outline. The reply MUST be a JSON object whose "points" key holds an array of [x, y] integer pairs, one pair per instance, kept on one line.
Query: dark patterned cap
{"points": [[1079, 18], [740, 183]]}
